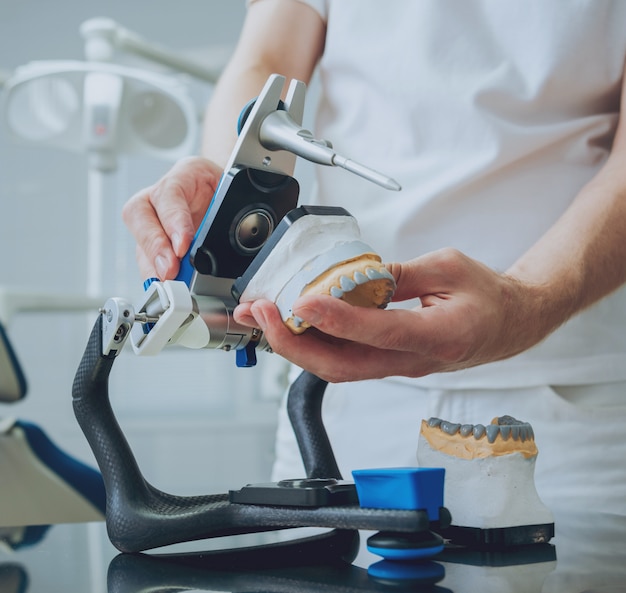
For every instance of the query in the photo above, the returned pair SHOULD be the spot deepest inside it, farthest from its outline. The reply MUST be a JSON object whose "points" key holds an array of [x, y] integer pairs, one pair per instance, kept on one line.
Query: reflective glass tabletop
{"points": [[588, 554]]}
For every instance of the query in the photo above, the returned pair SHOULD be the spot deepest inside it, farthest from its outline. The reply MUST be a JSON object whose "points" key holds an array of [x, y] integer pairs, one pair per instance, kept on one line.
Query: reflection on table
{"points": [[587, 554]]}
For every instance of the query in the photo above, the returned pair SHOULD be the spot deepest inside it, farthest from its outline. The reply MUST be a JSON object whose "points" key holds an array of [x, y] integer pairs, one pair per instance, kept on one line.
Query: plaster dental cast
{"points": [[321, 255], [501, 122]]}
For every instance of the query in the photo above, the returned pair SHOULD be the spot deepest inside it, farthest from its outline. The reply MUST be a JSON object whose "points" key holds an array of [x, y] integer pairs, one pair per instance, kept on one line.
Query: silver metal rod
{"points": [[366, 173]]}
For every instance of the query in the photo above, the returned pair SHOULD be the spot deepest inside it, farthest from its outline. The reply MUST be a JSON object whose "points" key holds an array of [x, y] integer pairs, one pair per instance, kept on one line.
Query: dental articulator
{"points": [[255, 241]]}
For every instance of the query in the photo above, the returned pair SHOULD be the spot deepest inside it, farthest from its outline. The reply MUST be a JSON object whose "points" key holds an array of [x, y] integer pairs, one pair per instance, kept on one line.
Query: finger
{"points": [[154, 247], [243, 315], [146, 267], [163, 217], [333, 360], [436, 273], [194, 180], [416, 277], [357, 362], [395, 329], [170, 203]]}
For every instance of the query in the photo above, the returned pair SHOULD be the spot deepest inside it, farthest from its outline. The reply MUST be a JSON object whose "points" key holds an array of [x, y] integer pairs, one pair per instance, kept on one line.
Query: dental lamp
{"points": [[104, 109]]}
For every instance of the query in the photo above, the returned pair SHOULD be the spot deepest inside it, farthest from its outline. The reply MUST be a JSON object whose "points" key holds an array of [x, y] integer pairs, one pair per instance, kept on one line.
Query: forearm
{"points": [[236, 87], [279, 36], [580, 259]]}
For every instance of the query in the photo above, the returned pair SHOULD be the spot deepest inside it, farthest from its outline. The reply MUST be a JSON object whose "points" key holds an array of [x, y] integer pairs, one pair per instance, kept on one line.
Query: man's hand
{"points": [[163, 218], [469, 315]]}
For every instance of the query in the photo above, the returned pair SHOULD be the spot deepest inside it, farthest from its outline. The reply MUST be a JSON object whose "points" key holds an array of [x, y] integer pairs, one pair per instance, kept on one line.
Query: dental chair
{"points": [[12, 381], [40, 484]]}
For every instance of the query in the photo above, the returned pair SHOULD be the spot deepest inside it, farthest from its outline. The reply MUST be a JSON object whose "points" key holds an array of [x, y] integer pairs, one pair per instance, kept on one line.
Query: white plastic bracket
{"points": [[172, 304]]}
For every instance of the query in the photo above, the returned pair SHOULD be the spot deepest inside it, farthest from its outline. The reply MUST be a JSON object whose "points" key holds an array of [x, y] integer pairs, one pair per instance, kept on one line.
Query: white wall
{"points": [[197, 423]]}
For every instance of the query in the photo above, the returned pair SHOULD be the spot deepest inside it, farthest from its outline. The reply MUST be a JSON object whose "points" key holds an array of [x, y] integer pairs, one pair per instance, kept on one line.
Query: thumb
{"points": [[434, 273], [408, 279]]}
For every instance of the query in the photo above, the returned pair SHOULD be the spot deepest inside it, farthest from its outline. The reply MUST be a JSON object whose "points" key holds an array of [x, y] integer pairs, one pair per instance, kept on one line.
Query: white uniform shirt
{"points": [[492, 115]]}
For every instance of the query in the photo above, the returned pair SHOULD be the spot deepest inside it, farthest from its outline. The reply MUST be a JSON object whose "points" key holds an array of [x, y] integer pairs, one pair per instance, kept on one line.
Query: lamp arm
{"points": [[22, 301], [102, 35]]}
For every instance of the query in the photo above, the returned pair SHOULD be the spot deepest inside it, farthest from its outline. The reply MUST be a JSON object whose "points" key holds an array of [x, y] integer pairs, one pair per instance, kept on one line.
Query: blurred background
{"points": [[196, 422]]}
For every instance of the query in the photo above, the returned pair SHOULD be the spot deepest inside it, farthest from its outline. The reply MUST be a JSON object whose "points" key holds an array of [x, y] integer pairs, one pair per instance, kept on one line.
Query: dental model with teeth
{"points": [[489, 481], [321, 254]]}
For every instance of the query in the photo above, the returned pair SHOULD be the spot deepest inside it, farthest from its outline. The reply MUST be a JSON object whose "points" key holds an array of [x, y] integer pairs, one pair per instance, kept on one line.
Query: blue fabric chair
{"points": [[12, 381], [39, 482]]}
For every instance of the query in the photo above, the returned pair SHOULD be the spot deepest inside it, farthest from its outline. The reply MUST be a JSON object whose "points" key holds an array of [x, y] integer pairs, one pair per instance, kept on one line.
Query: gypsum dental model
{"points": [[489, 481], [320, 255]]}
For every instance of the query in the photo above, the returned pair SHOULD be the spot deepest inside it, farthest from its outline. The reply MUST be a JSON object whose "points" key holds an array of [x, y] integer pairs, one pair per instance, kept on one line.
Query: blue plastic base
{"points": [[405, 546], [413, 573], [407, 554]]}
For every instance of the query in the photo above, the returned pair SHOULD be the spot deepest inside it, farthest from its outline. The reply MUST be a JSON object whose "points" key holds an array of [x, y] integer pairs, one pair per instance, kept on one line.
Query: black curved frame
{"points": [[139, 516]]}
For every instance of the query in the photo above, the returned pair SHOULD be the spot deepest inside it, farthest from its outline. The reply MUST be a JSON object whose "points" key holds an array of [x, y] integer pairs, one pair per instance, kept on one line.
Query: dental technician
{"points": [[501, 122]]}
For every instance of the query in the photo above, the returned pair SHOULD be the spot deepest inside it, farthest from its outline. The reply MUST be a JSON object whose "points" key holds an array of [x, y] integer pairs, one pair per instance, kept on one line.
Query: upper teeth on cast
{"points": [[347, 284], [505, 426]]}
